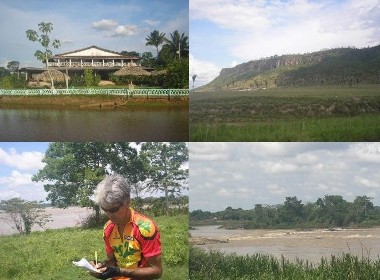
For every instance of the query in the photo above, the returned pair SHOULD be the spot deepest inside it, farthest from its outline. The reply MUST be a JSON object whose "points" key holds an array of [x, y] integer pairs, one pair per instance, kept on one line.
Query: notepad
{"points": [[86, 265]]}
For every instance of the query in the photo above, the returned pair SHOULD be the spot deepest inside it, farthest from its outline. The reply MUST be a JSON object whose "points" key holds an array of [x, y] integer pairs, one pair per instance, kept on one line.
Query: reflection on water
{"points": [[142, 124], [307, 245]]}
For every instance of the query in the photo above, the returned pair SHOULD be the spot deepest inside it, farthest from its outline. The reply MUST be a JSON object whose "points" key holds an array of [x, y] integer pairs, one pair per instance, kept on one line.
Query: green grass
{"points": [[287, 114], [49, 254], [358, 128], [219, 266]]}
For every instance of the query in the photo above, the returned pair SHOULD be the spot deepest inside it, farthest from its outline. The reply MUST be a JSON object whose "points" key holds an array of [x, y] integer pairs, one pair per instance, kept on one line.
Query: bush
{"points": [[178, 74]]}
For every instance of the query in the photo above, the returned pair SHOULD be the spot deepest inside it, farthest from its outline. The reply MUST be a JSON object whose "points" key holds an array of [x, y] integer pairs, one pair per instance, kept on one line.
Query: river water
{"points": [[140, 124], [61, 218], [306, 245]]}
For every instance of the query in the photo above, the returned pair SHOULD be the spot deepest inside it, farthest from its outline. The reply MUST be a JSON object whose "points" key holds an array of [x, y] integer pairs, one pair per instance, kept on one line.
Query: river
{"points": [[137, 124], [61, 218], [308, 245]]}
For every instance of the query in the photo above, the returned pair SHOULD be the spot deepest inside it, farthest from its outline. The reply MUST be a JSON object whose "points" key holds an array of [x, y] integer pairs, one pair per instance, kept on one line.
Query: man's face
{"points": [[118, 213]]}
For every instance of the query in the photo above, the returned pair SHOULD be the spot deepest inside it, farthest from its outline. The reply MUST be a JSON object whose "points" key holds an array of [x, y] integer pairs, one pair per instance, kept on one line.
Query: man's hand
{"points": [[108, 272]]}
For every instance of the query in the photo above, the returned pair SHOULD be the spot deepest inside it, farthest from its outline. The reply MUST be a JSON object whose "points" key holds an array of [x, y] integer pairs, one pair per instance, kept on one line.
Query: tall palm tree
{"points": [[178, 45], [155, 39]]}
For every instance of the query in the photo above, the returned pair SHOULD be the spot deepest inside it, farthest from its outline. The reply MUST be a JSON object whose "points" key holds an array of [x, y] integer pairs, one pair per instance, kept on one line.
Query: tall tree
{"points": [[166, 168], [155, 39], [177, 46], [73, 170], [13, 65], [24, 214], [45, 28], [147, 59]]}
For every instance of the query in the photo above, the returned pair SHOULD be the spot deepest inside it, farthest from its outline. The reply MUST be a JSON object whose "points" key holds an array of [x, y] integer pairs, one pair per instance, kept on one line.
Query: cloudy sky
{"points": [[18, 163], [228, 32], [116, 25], [245, 174]]}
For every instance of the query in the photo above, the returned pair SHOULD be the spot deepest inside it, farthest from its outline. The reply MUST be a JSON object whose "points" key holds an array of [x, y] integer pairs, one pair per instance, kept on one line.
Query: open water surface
{"points": [[141, 124], [307, 245], [60, 218]]}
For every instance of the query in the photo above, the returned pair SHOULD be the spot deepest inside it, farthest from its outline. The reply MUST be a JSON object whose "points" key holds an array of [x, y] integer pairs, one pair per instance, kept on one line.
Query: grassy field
{"points": [[215, 265], [329, 113], [49, 254]]}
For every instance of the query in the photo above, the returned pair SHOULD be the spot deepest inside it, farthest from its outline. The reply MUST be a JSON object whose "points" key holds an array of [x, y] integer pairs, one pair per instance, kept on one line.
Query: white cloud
{"points": [[23, 161], [277, 167], [234, 63], [322, 187], [264, 28], [205, 71], [275, 189], [5, 195], [369, 152], [126, 30], [223, 192], [104, 24], [209, 151], [152, 22], [367, 182], [17, 179], [306, 158]]}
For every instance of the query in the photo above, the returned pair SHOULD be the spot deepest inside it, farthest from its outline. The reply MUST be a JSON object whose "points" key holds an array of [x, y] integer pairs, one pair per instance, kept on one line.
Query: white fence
{"points": [[84, 91]]}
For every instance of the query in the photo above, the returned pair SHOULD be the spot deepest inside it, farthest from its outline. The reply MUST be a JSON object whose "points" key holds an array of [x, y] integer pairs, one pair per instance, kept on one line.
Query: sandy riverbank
{"points": [[61, 218]]}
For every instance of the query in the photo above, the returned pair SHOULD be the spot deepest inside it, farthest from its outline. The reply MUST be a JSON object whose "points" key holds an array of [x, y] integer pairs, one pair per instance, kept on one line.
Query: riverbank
{"points": [[216, 265], [60, 218], [310, 245], [95, 102]]}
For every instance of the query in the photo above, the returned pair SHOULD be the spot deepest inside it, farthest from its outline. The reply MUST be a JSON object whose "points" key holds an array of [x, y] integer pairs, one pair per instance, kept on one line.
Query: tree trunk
{"points": [[166, 199]]}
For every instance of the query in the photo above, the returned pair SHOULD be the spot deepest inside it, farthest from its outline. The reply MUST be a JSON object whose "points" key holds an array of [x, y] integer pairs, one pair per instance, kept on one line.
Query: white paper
{"points": [[86, 265]]}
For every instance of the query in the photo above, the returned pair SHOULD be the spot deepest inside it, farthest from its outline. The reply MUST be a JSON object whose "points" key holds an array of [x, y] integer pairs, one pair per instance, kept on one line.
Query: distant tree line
{"points": [[329, 211]]}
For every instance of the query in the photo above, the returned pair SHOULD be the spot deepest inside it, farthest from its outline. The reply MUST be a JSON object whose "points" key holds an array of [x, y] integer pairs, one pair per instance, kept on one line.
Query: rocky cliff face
{"points": [[327, 66]]}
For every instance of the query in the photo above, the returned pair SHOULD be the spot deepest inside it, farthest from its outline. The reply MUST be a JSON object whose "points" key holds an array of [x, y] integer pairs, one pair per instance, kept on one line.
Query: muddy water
{"points": [[61, 218], [307, 245], [140, 124]]}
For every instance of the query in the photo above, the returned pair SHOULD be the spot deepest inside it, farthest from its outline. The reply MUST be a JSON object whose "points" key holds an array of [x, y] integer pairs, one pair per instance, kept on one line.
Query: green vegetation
{"points": [[24, 214], [342, 66], [330, 211], [326, 113], [49, 254], [73, 170], [92, 101], [219, 266]]}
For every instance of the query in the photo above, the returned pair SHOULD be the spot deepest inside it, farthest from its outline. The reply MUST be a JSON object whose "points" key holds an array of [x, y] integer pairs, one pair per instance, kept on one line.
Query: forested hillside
{"points": [[329, 211], [341, 66]]}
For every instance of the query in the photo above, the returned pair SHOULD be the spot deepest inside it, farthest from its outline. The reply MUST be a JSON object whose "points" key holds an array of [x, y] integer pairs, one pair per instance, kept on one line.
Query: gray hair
{"points": [[112, 191]]}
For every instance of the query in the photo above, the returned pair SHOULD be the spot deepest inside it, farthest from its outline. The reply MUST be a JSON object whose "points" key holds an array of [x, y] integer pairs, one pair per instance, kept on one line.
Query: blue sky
{"points": [[245, 174], [228, 32], [18, 163], [111, 24]]}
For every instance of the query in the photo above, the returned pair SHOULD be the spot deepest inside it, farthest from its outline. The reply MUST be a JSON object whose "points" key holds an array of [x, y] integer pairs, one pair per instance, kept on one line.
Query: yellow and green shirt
{"points": [[140, 240]]}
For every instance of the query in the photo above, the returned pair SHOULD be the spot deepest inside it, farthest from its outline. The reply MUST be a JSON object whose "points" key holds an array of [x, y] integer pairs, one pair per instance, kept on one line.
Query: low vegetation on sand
{"points": [[329, 113], [49, 254], [219, 266]]}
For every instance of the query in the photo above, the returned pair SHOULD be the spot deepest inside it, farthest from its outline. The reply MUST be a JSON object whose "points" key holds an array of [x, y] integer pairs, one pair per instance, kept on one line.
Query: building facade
{"points": [[103, 62]]}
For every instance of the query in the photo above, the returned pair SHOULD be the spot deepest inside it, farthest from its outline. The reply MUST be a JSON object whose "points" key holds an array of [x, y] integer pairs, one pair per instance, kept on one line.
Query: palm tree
{"points": [[155, 39], [178, 44]]}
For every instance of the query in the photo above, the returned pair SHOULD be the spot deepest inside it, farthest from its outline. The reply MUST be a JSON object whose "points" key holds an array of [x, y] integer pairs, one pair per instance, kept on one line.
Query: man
{"points": [[132, 240]]}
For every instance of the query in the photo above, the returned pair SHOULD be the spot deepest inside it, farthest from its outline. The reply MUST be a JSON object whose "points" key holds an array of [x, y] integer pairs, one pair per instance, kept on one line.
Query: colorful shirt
{"points": [[140, 240]]}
